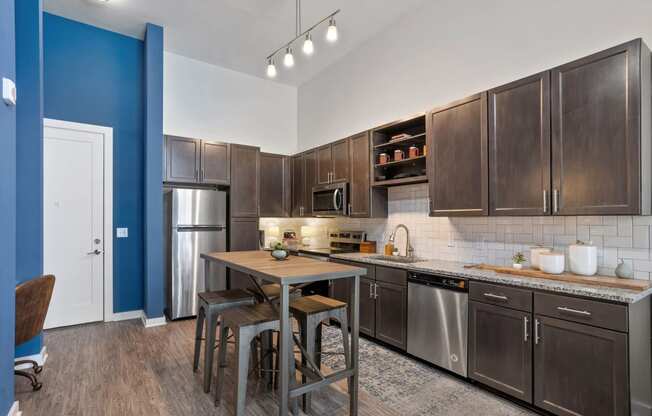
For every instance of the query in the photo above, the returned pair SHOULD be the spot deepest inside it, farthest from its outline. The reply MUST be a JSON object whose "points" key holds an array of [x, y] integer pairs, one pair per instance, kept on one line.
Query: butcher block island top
{"points": [[292, 270]]}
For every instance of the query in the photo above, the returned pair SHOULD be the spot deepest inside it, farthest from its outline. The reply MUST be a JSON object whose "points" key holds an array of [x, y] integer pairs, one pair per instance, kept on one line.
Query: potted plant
{"points": [[518, 260], [279, 251]]}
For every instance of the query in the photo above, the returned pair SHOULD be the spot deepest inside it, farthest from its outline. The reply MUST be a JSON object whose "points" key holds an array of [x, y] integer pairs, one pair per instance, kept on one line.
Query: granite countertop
{"points": [[456, 269]]}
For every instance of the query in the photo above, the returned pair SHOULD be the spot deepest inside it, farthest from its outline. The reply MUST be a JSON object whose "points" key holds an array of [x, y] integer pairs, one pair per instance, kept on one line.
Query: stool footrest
{"points": [[330, 379]]}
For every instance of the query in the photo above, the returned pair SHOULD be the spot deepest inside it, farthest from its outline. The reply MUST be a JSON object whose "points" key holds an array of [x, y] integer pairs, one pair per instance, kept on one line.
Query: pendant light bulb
{"points": [[308, 46], [271, 68], [288, 60], [331, 34]]}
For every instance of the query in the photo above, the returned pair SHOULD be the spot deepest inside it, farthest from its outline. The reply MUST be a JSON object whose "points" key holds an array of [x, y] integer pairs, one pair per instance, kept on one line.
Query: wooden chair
{"points": [[211, 306], [32, 302]]}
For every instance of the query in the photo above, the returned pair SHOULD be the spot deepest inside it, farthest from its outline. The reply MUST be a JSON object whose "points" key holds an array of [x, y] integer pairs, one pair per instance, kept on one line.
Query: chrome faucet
{"points": [[409, 251]]}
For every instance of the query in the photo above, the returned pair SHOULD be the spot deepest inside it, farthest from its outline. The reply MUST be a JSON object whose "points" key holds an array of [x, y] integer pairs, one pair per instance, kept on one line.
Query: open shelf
{"points": [[407, 140], [400, 162], [402, 181]]}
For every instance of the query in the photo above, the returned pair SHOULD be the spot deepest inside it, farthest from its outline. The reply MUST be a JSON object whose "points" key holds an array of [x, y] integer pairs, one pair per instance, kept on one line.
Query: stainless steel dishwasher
{"points": [[438, 320]]}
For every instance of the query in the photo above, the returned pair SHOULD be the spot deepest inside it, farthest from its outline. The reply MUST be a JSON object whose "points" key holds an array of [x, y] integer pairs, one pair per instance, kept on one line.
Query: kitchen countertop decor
{"points": [[457, 269]]}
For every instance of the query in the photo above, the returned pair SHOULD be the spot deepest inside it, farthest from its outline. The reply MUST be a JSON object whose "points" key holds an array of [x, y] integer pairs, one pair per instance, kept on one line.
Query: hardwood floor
{"points": [[122, 369]]}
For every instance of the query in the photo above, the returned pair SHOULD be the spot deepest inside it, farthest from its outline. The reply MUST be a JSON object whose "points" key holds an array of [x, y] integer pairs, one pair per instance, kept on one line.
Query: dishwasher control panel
{"points": [[447, 282]]}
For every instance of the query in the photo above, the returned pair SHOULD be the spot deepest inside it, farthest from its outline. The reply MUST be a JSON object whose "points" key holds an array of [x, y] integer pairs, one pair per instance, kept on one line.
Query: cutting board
{"points": [[601, 281]]}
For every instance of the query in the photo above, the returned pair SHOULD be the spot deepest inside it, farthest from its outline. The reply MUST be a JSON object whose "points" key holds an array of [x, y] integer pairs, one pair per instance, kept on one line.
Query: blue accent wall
{"points": [[29, 149], [97, 77], [154, 288], [8, 210]]}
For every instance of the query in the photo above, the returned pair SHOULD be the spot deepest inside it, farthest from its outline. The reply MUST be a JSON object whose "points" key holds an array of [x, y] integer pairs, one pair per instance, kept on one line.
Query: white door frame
{"points": [[107, 133]]}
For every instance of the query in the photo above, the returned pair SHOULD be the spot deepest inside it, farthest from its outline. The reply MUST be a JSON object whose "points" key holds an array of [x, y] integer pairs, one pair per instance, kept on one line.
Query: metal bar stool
{"points": [[211, 306], [246, 323], [310, 312]]}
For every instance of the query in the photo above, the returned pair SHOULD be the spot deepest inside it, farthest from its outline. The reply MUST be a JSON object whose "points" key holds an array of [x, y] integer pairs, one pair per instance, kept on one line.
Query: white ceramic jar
{"points": [[535, 252], [583, 258], [551, 262]]}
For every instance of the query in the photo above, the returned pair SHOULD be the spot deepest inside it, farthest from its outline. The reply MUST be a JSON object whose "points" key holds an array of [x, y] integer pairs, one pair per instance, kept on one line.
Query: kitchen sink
{"points": [[397, 259]]}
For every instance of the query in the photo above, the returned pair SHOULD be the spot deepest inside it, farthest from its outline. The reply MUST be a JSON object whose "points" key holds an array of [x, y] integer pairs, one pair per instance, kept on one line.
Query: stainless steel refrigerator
{"points": [[195, 223]]}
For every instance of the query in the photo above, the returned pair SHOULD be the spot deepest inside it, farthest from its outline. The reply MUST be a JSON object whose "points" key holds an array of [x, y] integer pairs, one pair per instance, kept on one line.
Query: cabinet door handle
{"points": [[525, 329], [573, 311], [197, 174], [537, 338], [203, 175], [497, 297], [545, 201], [371, 291], [555, 201], [375, 291], [349, 209]]}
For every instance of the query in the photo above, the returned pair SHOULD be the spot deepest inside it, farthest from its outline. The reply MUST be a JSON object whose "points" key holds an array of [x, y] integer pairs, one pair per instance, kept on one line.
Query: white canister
{"points": [[535, 252], [583, 258], [551, 262]]}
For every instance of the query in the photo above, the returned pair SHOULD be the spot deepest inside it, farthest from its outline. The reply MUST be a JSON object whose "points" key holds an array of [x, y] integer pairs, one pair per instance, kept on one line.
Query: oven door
{"points": [[330, 200]]}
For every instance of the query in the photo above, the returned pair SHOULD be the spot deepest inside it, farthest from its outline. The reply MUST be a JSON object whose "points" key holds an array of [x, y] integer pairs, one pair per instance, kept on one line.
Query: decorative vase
{"points": [[280, 254], [624, 270], [517, 266]]}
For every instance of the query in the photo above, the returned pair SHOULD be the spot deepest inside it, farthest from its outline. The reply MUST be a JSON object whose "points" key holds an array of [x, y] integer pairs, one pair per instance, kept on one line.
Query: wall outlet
{"points": [[122, 232]]}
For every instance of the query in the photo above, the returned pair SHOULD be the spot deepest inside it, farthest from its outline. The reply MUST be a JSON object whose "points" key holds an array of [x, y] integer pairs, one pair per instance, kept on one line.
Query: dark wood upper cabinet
{"points": [[519, 147], [324, 164], [196, 161], [298, 185], [333, 162], [243, 236], [580, 369], [500, 349], [275, 185], [245, 171], [601, 133], [365, 201], [340, 162], [304, 177], [182, 159], [391, 313], [215, 163], [310, 160], [457, 158]]}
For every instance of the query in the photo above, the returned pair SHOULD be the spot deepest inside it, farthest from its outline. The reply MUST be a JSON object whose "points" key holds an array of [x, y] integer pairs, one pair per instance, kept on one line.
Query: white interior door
{"points": [[73, 229]]}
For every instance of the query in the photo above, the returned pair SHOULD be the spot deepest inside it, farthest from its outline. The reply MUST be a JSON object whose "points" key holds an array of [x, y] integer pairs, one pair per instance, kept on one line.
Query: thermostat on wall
{"points": [[8, 91]]}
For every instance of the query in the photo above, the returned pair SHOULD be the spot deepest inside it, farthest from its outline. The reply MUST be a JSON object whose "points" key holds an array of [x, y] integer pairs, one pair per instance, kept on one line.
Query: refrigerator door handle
{"points": [[187, 228]]}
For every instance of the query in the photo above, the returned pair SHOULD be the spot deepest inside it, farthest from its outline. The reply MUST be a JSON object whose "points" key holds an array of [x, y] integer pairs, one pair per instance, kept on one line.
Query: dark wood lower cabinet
{"points": [[580, 369], [391, 313], [367, 307], [500, 349]]}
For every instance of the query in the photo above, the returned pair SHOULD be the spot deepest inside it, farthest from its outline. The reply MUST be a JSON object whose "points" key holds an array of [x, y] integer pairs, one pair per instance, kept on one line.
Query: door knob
{"points": [[95, 252]]}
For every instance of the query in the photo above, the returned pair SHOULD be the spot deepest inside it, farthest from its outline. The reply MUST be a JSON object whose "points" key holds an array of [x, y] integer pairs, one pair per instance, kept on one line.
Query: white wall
{"points": [[448, 49], [210, 102]]}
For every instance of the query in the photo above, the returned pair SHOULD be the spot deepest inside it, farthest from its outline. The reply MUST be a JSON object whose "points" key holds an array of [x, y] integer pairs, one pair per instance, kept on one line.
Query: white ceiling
{"points": [[239, 34]]}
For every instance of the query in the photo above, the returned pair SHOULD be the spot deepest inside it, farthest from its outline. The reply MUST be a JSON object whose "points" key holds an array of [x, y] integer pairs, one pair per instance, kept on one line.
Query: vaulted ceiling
{"points": [[239, 34]]}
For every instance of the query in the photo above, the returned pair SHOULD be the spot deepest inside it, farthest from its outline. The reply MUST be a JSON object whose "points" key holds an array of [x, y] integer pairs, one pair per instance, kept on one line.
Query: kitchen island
{"points": [[294, 271]]}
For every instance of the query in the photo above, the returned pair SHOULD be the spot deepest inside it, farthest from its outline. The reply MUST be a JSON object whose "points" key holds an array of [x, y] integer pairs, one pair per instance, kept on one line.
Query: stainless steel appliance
{"points": [[330, 200], [195, 223], [438, 320]]}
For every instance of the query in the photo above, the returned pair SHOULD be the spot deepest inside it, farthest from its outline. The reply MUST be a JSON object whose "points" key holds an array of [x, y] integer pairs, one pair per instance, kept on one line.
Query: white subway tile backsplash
{"points": [[492, 239]]}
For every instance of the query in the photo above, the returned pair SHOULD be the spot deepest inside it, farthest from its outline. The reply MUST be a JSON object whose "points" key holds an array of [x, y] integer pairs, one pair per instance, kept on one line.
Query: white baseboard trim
{"points": [[40, 359], [15, 410], [126, 316], [153, 322]]}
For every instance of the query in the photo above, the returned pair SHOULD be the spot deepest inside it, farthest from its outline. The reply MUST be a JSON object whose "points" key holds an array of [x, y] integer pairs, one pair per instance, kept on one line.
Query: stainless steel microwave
{"points": [[330, 200]]}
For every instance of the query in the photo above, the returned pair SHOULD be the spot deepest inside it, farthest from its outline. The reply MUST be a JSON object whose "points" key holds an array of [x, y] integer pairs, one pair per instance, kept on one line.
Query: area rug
{"points": [[412, 388]]}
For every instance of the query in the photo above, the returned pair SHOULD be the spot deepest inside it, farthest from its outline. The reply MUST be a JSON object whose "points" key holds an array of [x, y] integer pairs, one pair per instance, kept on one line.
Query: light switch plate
{"points": [[122, 232], [9, 92]]}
